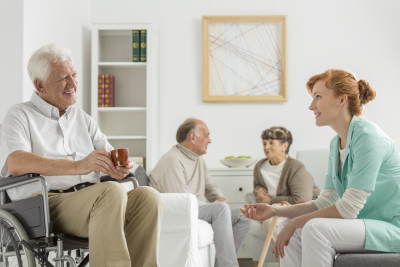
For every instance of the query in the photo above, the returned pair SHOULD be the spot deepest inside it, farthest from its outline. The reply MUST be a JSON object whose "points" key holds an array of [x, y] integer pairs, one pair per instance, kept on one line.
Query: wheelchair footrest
{"points": [[41, 257]]}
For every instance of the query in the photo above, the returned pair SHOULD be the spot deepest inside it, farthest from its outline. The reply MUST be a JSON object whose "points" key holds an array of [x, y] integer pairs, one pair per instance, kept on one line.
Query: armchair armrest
{"points": [[180, 212], [179, 231]]}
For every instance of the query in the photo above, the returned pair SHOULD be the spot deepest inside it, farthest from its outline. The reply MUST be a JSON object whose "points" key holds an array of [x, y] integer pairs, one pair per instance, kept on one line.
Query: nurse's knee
{"points": [[312, 228]]}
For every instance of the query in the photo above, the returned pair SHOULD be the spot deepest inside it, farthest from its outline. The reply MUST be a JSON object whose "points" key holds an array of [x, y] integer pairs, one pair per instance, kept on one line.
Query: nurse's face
{"points": [[325, 104]]}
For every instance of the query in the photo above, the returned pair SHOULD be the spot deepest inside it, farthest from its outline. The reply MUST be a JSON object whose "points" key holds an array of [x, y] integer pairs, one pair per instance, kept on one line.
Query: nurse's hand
{"points": [[283, 239], [258, 212]]}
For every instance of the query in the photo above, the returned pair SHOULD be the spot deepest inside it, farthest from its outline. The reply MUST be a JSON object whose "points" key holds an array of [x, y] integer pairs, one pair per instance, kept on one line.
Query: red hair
{"points": [[343, 82]]}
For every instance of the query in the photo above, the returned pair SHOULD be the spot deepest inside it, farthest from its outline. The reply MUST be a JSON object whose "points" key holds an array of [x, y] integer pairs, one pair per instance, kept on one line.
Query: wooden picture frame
{"points": [[244, 59]]}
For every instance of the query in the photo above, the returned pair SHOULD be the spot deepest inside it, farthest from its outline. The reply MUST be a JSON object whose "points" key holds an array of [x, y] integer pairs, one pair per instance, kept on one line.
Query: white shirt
{"points": [[271, 175], [341, 158], [36, 127]]}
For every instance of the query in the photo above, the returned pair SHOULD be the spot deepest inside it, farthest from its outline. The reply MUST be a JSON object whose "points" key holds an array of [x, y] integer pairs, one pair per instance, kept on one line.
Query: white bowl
{"points": [[238, 163]]}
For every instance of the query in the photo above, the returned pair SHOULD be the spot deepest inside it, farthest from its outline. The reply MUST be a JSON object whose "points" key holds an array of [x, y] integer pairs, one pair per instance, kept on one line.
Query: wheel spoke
{"points": [[11, 235]]}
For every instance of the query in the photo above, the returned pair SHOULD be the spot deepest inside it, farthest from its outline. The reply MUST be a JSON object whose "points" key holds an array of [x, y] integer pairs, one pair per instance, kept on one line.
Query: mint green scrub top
{"points": [[371, 162]]}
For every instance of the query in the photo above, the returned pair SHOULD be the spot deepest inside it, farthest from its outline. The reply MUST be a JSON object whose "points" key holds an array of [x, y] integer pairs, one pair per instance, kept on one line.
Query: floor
{"points": [[250, 263]]}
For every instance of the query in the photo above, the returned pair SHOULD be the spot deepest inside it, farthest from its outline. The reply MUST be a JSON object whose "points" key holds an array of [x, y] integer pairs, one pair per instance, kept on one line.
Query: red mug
{"points": [[120, 156]]}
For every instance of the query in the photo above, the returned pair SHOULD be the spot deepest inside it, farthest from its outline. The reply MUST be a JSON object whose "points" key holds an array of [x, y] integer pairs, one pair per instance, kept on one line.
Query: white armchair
{"points": [[185, 240]]}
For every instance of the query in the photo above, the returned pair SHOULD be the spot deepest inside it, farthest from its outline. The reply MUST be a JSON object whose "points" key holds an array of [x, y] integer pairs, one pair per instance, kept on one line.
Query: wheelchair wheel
{"points": [[12, 252]]}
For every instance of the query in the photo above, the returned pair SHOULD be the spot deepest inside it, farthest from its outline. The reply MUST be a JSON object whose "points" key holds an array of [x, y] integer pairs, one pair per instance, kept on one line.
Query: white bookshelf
{"points": [[133, 122]]}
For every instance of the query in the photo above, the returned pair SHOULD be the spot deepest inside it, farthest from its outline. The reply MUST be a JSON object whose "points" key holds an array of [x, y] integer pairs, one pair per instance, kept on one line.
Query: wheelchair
{"points": [[26, 232]]}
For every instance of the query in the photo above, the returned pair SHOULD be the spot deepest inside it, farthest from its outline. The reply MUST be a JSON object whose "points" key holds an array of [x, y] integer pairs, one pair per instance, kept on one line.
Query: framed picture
{"points": [[244, 59]]}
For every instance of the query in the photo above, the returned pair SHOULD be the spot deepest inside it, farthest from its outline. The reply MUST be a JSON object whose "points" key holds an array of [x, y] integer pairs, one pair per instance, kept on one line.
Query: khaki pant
{"points": [[123, 228], [266, 225]]}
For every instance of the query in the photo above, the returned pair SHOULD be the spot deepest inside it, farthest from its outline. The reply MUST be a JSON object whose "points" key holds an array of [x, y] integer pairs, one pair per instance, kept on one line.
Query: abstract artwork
{"points": [[244, 59]]}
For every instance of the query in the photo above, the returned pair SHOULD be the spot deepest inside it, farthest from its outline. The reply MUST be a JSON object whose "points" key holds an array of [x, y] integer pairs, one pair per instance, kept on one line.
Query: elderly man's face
{"points": [[202, 141], [60, 88]]}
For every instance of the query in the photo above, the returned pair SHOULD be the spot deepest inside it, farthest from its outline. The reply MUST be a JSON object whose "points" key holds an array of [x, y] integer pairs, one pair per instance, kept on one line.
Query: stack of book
{"points": [[139, 44], [106, 90]]}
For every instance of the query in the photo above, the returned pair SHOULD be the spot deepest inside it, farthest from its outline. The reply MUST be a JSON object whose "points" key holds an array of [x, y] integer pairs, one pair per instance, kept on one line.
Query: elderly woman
{"points": [[279, 177]]}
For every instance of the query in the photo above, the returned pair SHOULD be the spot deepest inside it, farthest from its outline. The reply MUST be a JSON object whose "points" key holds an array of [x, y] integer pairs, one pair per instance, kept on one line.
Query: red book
{"points": [[109, 96], [101, 91], [113, 91]]}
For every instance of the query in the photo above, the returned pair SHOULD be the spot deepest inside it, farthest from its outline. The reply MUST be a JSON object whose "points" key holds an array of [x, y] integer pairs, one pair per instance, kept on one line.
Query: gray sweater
{"points": [[295, 184], [182, 171]]}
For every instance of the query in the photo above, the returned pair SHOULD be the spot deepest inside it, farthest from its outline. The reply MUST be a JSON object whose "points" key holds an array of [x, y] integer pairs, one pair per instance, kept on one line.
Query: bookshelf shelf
{"points": [[133, 137], [121, 109], [122, 64], [133, 122]]}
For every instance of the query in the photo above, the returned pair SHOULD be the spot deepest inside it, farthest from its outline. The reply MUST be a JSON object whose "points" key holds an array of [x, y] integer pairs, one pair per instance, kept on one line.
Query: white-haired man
{"points": [[183, 170], [47, 135]]}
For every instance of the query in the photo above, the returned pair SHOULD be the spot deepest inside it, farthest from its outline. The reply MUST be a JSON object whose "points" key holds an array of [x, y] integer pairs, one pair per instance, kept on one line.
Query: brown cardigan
{"points": [[295, 184]]}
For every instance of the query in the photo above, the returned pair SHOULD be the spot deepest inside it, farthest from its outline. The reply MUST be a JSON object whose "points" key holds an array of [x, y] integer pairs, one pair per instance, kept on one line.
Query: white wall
{"points": [[67, 23], [363, 36], [11, 34]]}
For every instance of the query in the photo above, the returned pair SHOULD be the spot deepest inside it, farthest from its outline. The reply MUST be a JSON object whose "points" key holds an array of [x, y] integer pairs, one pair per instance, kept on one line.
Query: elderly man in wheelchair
{"points": [[53, 198]]}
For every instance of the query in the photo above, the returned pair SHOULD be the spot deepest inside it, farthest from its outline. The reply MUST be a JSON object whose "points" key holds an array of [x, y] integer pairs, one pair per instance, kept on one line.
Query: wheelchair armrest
{"points": [[129, 178], [6, 181]]}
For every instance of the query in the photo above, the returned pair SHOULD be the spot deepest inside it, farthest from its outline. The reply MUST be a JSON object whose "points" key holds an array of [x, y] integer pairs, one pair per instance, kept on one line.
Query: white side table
{"points": [[235, 183]]}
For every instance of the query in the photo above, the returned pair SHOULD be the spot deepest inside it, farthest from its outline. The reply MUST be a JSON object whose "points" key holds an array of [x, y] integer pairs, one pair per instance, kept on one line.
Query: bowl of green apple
{"points": [[238, 162]]}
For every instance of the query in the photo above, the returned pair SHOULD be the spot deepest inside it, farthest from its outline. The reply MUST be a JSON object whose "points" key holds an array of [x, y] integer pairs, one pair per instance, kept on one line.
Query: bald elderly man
{"points": [[183, 170]]}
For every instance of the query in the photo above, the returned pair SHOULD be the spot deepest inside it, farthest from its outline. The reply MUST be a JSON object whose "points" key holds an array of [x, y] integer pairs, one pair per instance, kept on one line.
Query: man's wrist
{"points": [[76, 165]]}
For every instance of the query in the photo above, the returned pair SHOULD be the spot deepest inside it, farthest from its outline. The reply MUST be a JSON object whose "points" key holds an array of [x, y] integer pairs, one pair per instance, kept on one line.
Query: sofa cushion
{"points": [[205, 232], [368, 260], [141, 176]]}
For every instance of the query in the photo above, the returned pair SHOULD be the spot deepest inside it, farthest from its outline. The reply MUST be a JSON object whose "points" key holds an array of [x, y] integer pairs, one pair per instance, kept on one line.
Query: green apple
{"points": [[242, 157], [230, 157]]}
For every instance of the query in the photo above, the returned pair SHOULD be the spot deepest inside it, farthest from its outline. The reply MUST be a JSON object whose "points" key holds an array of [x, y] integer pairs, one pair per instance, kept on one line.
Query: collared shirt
{"points": [[36, 127]]}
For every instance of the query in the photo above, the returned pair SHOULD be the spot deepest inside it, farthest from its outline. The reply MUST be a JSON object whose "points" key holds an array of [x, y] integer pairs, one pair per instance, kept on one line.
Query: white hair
{"points": [[39, 63]]}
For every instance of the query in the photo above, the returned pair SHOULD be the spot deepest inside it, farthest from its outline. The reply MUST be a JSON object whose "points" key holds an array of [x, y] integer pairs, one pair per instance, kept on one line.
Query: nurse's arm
{"points": [[328, 212], [294, 211]]}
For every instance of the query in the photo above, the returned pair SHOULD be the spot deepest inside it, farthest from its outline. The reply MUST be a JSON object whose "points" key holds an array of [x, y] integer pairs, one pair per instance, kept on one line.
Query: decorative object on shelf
{"points": [[143, 45], [101, 91], [244, 59], [135, 46], [238, 162]]}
